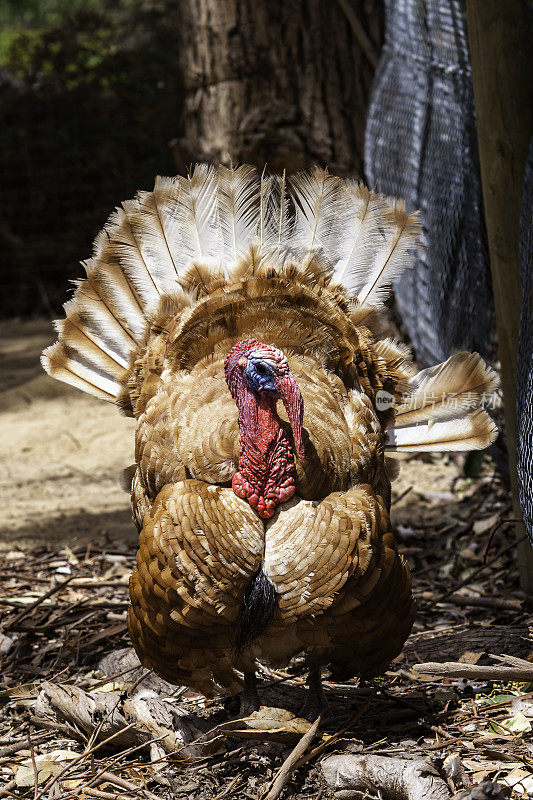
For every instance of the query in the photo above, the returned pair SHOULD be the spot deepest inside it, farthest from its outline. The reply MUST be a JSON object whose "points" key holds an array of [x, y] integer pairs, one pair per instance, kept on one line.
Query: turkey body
{"points": [[329, 551], [264, 525]]}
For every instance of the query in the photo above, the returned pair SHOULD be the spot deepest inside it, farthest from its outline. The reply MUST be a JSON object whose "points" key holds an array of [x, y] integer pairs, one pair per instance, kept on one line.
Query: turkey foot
{"points": [[250, 698], [315, 700]]}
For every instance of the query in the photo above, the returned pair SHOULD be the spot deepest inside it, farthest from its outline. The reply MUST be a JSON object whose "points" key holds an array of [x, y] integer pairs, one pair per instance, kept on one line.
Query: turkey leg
{"points": [[315, 701], [250, 698]]}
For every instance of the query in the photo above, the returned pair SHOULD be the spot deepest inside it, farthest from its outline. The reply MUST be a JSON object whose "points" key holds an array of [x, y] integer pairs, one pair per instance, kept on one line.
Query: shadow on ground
{"points": [[113, 528]]}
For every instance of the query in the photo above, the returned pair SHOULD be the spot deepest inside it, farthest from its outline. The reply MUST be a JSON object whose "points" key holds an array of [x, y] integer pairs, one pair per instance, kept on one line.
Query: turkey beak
{"points": [[291, 398]]}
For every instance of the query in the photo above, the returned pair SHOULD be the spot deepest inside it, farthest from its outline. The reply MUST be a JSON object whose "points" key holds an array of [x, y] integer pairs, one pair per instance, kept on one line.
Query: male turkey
{"points": [[264, 528]]}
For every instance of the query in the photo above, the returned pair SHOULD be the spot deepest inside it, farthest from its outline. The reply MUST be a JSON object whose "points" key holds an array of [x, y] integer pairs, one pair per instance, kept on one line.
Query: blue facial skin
{"points": [[259, 375]]}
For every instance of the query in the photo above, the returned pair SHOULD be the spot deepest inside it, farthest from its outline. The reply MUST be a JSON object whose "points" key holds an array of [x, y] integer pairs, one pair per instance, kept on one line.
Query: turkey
{"points": [[239, 318]]}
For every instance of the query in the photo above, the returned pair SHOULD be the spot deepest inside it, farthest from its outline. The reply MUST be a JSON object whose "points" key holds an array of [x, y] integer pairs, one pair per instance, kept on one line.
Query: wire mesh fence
{"points": [[421, 145]]}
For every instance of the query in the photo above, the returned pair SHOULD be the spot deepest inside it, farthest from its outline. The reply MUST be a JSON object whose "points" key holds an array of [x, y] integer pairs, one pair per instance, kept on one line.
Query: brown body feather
{"points": [[184, 274], [333, 563]]}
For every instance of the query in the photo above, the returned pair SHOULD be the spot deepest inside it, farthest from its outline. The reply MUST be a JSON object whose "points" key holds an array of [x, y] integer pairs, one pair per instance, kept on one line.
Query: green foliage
{"points": [[33, 17], [90, 96], [68, 43]]}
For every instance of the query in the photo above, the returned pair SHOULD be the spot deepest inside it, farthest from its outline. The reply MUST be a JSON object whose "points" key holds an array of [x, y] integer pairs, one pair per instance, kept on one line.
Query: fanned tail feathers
{"points": [[190, 232], [441, 409], [377, 244]]}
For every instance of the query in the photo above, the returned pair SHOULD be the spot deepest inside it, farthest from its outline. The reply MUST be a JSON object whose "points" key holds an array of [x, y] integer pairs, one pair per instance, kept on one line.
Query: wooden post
{"points": [[502, 92]]}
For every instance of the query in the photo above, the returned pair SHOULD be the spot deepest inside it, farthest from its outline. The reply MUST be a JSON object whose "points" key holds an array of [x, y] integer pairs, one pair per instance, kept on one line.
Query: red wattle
{"points": [[265, 505], [266, 464], [266, 473]]}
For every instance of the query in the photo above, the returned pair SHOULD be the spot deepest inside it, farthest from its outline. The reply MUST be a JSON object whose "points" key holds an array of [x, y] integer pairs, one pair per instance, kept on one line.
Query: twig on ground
{"points": [[138, 682], [286, 770], [64, 728], [496, 530], [34, 765], [337, 735], [87, 752], [479, 570], [401, 496], [512, 660], [6, 790], [482, 602], [32, 606], [9, 749], [449, 644], [122, 783], [99, 793], [228, 788]]}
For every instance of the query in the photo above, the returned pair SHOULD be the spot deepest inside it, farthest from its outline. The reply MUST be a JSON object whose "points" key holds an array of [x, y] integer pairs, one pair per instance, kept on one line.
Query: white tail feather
{"points": [[98, 316], [276, 240], [318, 223], [447, 391], [473, 431], [152, 243], [283, 226], [401, 233], [198, 234], [363, 236], [441, 408], [265, 190], [100, 335], [238, 201], [59, 364], [130, 256]]}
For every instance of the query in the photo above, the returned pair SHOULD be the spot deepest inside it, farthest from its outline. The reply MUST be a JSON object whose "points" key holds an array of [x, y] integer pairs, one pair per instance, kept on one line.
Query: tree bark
{"points": [[277, 82]]}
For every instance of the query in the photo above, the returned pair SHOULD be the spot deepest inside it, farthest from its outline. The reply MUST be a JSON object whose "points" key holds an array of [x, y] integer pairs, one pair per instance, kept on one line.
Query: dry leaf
{"points": [[520, 780], [6, 643], [112, 686], [484, 525], [46, 764], [269, 724], [523, 704], [470, 658]]}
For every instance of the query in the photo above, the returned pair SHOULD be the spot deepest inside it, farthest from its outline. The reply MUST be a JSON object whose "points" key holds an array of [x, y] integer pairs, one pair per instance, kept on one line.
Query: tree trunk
{"points": [[277, 82]]}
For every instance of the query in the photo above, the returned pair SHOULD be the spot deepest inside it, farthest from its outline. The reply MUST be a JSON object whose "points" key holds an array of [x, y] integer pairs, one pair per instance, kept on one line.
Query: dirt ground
{"points": [[61, 451]]}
